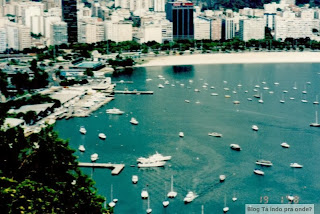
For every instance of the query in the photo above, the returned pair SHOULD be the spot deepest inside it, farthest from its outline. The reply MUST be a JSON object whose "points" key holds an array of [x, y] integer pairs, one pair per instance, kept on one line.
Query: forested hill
{"points": [[239, 4]]}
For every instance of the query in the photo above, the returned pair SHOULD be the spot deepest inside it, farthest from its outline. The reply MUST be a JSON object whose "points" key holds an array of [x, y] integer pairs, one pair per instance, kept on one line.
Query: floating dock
{"points": [[133, 92], [116, 168]]}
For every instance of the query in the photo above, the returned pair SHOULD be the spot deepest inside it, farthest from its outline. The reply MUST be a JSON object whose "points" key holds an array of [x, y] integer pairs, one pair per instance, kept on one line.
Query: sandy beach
{"points": [[235, 58]]}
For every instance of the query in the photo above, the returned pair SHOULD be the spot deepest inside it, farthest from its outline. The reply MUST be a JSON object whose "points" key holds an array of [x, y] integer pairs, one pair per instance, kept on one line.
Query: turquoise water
{"points": [[198, 159]]}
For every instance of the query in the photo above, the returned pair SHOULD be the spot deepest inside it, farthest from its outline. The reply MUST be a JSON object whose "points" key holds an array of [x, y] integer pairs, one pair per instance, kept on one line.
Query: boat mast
{"points": [[316, 117], [111, 193], [171, 183], [202, 209]]}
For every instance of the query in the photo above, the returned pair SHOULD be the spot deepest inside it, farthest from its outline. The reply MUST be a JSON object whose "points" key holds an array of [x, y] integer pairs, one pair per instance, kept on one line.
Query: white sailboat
{"points": [[172, 194], [295, 86], [261, 100], [282, 100], [225, 208], [305, 90], [304, 100], [165, 203], [113, 201], [316, 102], [234, 198], [202, 209], [149, 210], [316, 124], [81, 148]]}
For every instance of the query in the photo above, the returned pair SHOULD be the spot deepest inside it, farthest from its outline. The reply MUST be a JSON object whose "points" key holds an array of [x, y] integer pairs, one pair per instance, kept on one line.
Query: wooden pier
{"points": [[133, 92], [116, 168]]}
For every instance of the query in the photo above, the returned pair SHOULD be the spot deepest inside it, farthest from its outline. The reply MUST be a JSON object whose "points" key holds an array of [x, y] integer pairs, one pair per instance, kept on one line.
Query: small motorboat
{"points": [[144, 194], [83, 130], [235, 147], [285, 145], [135, 179], [102, 136], [81, 148], [296, 165], [222, 178], [215, 134], [190, 197], [181, 134], [258, 172], [255, 128], [94, 157], [133, 121]]}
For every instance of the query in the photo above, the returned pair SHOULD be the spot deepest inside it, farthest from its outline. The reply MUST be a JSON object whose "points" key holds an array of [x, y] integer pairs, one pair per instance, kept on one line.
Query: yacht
{"points": [[271, 92], [212, 87], [222, 178], [265, 88], [290, 197], [257, 86], [94, 157], [196, 90], [135, 179], [172, 194], [225, 208], [285, 145], [316, 102], [304, 100], [235, 147], [83, 130], [151, 163], [190, 197], [114, 111], [256, 96], [226, 89], [181, 134], [149, 79], [239, 85], [187, 101], [255, 90], [292, 98], [234, 92], [160, 86], [198, 102], [258, 172], [227, 96], [133, 121], [285, 91], [276, 83], [144, 194], [165, 203], [113, 201], [236, 102], [81, 148], [166, 82], [295, 86], [264, 163], [282, 100], [214, 94], [261, 100], [295, 165], [255, 128], [102, 136], [316, 124], [155, 157], [249, 99], [215, 134]]}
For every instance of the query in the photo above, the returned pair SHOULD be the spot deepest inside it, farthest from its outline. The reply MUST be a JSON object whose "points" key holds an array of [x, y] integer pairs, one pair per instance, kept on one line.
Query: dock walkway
{"points": [[116, 168]]}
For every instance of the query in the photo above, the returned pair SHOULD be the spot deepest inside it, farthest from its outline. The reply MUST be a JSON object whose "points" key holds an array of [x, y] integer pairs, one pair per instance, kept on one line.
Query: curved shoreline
{"points": [[234, 58]]}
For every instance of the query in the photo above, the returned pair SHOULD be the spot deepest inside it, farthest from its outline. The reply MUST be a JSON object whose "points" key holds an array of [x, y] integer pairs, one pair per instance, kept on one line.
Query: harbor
{"points": [[133, 92], [262, 171]]}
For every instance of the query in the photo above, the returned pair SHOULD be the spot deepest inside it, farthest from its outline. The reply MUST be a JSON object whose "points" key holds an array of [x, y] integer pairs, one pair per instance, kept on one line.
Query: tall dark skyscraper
{"points": [[181, 16], [69, 15]]}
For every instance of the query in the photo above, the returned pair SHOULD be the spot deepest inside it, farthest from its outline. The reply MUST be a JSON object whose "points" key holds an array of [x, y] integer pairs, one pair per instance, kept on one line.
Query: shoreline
{"points": [[234, 58]]}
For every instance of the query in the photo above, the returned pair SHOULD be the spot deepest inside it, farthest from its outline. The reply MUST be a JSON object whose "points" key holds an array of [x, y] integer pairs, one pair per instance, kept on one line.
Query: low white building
{"points": [[151, 32]]}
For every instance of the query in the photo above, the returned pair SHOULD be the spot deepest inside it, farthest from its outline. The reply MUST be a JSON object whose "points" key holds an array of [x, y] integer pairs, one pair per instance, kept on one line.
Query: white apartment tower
{"points": [[13, 36], [159, 5], [118, 31], [201, 28], [252, 29], [91, 30], [24, 37], [59, 33], [151, 32], [3, 39]]}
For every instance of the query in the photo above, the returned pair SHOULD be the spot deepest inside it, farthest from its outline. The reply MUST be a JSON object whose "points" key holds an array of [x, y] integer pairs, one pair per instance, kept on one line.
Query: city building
{"points": [[151, 32], [159, 5], [181, 15], [252, 29], [24, 37], [118, 31], [3, 39], [69, 15], [228, 28], [166, 27], [91, 30], [202, 28], [216, 28], [59, 33], [12, 36]]}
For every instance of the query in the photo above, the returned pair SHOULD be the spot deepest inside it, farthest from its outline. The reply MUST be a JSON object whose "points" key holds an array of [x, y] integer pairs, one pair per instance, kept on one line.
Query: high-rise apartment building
{"points": [[3, 39], [201, 28], [118, 31], [159, 5], [69, 15], [12, 36], [181, 16], [59, 33], [228, 28], [252, 29], [24, 37], [216, 27]]}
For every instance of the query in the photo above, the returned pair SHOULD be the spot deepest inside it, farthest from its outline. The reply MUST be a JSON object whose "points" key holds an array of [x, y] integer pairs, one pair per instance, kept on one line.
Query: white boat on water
{"points": [[255, 128], [249, 99], [316, 124], [144, 194], [181, 134], [187, 101], [285, 145], [295, 86], [149, 210], [155, 157], [160, 86], [296, 165], [165, 203], [235, 147], [236, 102], [102, 136], [214, 94], [172, 194], [133, 121], [264, 162], [81, 148], [261, 100], [222, 178], [114, 111], [316, 102], [290, 197], [113, 201], [83, 130], [190, 197], [225, 208], [258, 172], [215, 134], [151, 163], [135, 179], [196, 90], [282, 100], [94, 157]]}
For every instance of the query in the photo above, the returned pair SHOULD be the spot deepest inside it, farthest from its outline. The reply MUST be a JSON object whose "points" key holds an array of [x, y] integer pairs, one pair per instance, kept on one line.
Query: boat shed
{"points": [[11, 123]]}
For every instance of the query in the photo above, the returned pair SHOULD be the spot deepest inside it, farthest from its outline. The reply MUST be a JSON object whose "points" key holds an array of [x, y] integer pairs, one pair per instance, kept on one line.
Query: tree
{"points": [[89, 72], [3, 82]]}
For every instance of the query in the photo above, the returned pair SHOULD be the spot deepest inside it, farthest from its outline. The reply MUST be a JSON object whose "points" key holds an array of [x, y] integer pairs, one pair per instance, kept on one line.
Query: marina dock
{"points": [[133, 92], [116, 168]]}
